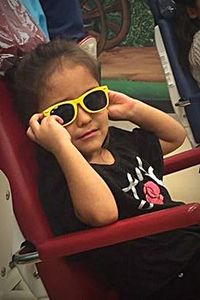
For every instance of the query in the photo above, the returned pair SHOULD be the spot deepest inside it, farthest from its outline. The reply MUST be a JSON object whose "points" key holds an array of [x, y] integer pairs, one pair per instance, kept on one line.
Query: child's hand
{"points": [[121, 106], [48, 132]]}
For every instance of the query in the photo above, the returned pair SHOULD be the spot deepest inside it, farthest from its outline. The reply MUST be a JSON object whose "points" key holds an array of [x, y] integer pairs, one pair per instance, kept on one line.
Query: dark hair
{"points": [[185, 28], [28, 78]]}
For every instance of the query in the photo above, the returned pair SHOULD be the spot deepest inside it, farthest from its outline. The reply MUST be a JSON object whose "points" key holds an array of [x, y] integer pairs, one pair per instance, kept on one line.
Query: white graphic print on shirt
{"points": [[150, 189]]}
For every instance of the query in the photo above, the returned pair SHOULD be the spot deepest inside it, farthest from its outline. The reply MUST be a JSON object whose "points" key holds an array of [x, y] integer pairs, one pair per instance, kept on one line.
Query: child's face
{"points": [[89, 130]]}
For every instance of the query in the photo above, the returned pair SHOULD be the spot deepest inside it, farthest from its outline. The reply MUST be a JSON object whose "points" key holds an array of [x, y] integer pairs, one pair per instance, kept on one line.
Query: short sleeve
{"points": [[141, 142], [149, 148]]}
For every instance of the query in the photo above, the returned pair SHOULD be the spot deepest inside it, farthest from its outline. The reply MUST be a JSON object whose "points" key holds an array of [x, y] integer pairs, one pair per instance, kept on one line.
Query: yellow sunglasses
{"points": [[93, 101]]}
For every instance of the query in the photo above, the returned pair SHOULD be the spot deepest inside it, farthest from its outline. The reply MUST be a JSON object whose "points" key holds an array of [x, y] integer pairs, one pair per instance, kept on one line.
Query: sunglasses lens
{"points": [[65, 111], [95, 101]]}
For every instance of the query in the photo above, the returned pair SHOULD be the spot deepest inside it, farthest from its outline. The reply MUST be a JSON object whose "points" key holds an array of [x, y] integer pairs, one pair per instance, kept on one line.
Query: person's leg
{"points": [[64, 18]]}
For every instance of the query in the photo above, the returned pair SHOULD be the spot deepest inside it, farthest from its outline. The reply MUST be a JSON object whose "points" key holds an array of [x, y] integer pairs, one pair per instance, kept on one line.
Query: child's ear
{"points": [[192, 12]]}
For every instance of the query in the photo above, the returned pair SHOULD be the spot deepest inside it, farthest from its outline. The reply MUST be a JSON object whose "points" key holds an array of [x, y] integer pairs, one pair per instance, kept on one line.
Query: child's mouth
{"points": [[88, 134]]}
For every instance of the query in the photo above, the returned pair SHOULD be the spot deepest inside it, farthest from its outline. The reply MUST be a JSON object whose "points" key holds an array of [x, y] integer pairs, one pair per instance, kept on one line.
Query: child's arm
{"points": [[170, 133], [92, 199]]}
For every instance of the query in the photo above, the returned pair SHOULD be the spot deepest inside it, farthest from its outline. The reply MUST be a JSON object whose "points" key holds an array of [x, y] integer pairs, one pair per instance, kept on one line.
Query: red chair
{"points": [[64, 280]]}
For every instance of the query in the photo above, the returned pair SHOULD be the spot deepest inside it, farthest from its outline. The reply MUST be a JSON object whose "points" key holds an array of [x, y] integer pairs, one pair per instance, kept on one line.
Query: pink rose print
{"points": [[152, 193]]}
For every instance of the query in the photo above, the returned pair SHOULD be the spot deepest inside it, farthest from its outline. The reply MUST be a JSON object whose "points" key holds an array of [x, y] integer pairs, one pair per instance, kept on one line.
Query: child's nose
{"points": [[83, 117]]}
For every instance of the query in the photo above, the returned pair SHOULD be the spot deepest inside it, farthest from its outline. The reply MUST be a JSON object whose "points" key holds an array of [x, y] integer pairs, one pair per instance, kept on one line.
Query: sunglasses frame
{"points": [[79, 100]]}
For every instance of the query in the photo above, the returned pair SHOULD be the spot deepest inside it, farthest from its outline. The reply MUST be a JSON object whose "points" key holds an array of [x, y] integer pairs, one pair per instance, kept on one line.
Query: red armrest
{"points": [[124, 230], [182, 161]]}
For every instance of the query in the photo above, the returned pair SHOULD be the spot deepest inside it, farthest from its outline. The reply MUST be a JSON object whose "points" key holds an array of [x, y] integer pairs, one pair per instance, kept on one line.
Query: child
{"points": [[93, 175], [187, 26]]}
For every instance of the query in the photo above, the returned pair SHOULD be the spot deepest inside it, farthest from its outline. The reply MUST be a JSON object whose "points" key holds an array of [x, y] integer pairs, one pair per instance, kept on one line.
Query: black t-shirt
{"points": [[135, 179]]}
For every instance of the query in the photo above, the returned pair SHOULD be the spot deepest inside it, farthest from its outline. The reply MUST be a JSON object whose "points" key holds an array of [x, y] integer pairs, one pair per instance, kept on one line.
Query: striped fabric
{"points": [[194, 57]]}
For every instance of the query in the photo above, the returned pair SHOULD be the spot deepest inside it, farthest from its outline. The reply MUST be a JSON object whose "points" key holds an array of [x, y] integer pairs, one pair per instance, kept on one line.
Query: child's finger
{"points": [[58, 119], [116, 97], [34, 125], [114, 93], [35, 120], [51, 119], [30, 134]]}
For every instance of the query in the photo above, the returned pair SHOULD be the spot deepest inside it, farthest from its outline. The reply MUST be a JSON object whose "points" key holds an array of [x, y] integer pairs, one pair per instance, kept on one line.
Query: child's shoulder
{"points": [[133, 134], [141, 141], [118, 131]]}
